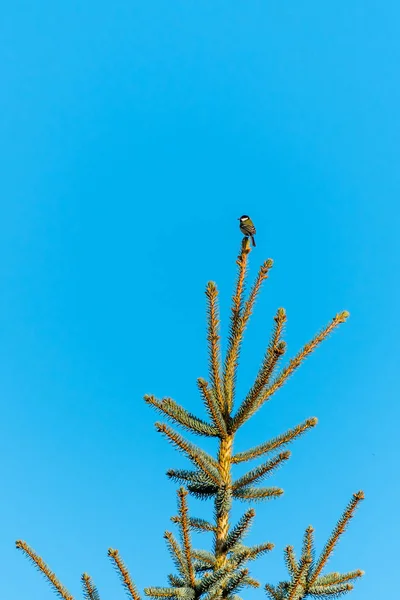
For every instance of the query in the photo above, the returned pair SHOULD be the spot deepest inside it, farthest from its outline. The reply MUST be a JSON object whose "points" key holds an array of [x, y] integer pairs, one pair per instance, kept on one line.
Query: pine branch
{"points": [[89, 589], [44, 569], [290, 560], [213, 407], [278, 442], [255, 290], [259, 493], [201, 567], [182, 475], [178, 414], [327, 579], [250, 405], [235, 329], [297, 586], [334, 590], [251, 582], [259, 549], [348, 576], [205, 557], [272, 593], [336, 578], [236, 582], [306, 578], [239, 531], [241, 312], [183, 515], [274, 353], [124, 574], [202, 491], [211, 581], [176, 581], [337, 532], [239, 553], [170, 592], [308, 543], [213, 342], [262, 471], [201, 524], [177, 556], [196, 523], [200, 458]]}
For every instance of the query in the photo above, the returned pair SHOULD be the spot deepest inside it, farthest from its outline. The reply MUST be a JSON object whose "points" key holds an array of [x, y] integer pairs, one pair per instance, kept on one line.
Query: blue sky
{"points": [[133, 136]]}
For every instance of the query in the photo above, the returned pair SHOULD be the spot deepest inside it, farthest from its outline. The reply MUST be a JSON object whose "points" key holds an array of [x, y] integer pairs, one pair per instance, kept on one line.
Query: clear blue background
{"points": [[133, 134]]}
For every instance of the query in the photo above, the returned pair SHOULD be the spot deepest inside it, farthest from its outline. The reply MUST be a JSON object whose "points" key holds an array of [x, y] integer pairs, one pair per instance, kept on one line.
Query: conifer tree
{"points": [[224, 571]]}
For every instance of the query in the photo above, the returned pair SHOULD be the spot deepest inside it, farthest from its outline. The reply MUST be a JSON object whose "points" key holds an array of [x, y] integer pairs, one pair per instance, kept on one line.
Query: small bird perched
{"points": [[247, 227]]}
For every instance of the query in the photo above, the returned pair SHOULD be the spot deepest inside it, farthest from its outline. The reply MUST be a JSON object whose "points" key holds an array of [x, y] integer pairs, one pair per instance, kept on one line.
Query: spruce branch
{"points": [[274, 353], [296, 588], [170, 592], [179, 415], [213, 342], [213, 406], [202, 491], [196, 523], [178, 556], [200, 458], [239, 531], [179, 475], [305, 575], [337, 532], [308, 543], [262, 471], [235, 329], [328, 579], [196, 482], [123, 572], [176, 581], [253, 552], [237, 581], [251, 582], [347, 576], [272, 593], [184, 523], [42, 567], [290, 560], [255, 290], [325, 583], [278, 442], [251, 404], [334, 591], [241, 312], [257, 493], [89, 589], [201, 524], [211, 582], [205, 557]]}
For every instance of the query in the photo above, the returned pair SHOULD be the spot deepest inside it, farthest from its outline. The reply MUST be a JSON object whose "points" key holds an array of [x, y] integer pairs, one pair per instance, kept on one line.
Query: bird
{"points": [[247, 227]]}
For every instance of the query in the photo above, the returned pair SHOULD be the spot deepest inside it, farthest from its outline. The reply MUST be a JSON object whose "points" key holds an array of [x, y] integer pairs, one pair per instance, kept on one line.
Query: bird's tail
{"points": [[253, 241]]}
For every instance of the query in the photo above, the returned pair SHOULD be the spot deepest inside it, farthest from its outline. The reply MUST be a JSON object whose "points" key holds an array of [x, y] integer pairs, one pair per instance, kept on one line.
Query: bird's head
{"points": [[243, 218]]}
